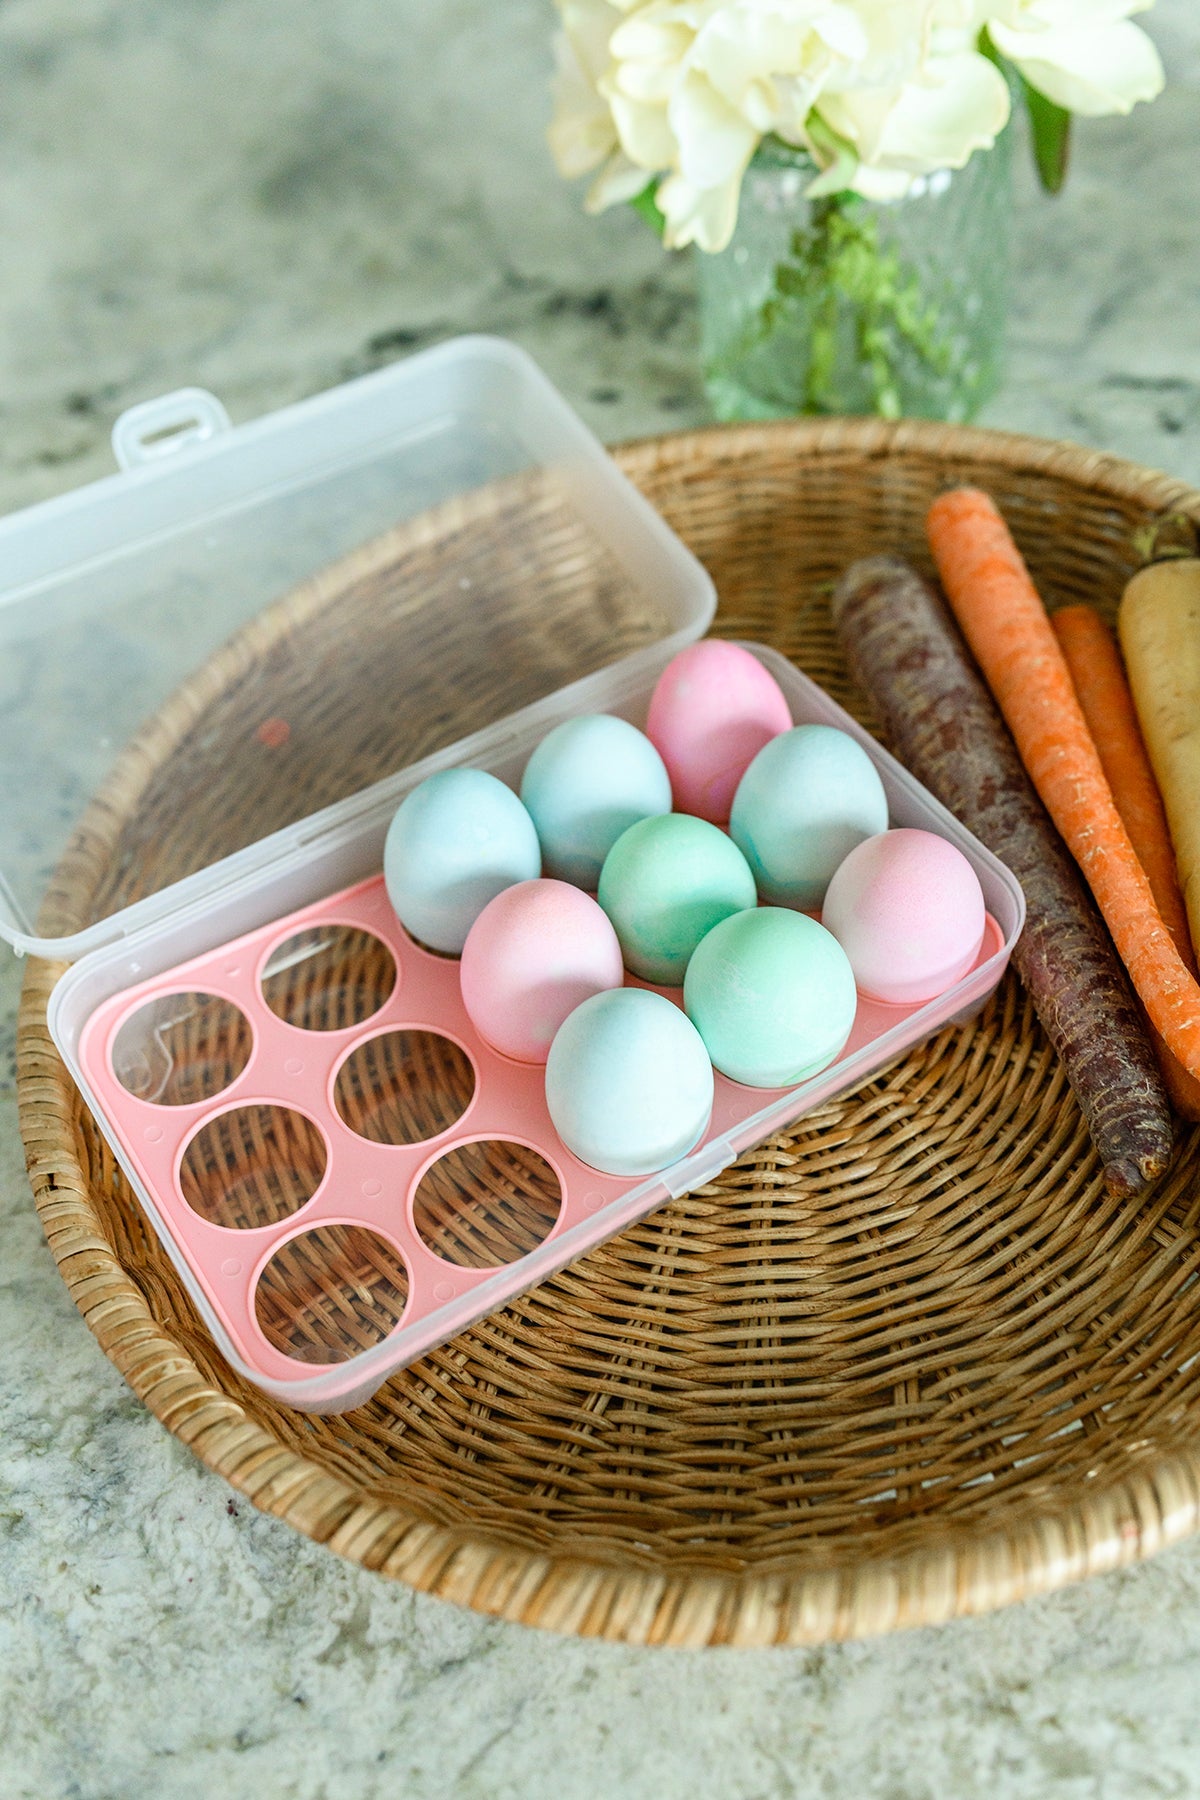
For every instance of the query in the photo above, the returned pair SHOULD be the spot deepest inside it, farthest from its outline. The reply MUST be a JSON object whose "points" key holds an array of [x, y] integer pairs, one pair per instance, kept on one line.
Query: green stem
{"points": [[838, 276]]}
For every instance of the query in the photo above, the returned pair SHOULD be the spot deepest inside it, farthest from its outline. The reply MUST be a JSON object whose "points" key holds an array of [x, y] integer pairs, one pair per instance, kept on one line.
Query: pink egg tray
{"points": [[324, 1258]]}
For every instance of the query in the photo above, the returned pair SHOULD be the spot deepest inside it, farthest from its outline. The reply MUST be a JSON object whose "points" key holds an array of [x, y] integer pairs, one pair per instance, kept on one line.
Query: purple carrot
{"points": [[941, 721]]}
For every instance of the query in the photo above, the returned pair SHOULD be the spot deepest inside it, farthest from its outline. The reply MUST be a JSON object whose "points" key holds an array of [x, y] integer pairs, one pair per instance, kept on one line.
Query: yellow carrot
{"points": [[1159, 622]]}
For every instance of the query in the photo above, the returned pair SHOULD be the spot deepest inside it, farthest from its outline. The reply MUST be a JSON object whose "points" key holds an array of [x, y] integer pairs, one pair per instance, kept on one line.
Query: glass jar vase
{"points": [[845, 305]]}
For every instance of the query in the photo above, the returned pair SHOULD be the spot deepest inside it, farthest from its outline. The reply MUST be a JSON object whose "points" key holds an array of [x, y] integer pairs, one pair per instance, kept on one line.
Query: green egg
{"points": [[665, 883], [772, 994]]}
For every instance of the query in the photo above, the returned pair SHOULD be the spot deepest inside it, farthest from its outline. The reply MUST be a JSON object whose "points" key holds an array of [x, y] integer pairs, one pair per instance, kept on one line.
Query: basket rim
{"points": [[969, 1571]]}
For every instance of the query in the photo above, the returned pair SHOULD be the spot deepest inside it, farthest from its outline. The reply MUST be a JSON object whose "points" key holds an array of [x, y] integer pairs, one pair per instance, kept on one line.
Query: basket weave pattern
{"points": [[904, 1362]]}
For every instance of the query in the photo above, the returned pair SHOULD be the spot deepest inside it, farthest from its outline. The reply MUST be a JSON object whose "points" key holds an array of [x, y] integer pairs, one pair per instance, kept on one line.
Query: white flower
{"points": [[923, 98], [690, 87], [1083, 54], [582, 134], [694, 85], [680, 93]]}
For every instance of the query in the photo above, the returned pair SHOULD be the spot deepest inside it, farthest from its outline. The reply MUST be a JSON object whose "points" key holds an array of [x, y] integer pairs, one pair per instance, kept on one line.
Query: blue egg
{"points": [[457, 841], [629, 1085], [809, 797], [587, 782]]}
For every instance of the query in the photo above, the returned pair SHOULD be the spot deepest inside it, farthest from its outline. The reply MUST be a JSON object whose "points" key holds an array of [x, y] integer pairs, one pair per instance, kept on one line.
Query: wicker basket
{"points": [[906, 1362]]}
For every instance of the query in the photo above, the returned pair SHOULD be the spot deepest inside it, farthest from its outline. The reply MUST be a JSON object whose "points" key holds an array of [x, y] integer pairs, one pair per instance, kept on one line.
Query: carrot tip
{"points": [[1126, 1179]]}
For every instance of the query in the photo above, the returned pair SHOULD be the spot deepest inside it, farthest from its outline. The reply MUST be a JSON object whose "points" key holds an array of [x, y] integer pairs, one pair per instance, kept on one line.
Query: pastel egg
{"points": [[534, 954], [908, 910], [665, 883], [588, 781], [629, 1086], [714, 708], [806, 800], [772, 994], [459, 839]]}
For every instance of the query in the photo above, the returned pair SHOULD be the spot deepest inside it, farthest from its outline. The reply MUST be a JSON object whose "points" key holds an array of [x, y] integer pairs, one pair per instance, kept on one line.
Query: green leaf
{"points": [[838, 155], [1051, 125], [646, 206], [986, 48], [1173, 534]]}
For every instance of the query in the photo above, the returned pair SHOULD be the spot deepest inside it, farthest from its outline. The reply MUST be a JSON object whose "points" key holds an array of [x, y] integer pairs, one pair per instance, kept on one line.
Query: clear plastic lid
{"points": [[447, 525]]}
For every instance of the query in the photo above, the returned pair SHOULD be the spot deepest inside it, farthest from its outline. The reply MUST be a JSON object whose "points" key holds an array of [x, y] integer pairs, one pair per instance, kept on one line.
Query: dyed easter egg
{"points": [[588, 781], [908, 910], [456, 842], [665, 883], [714, 708], [772, 994], [629, 1086], [534, 954], [806, 800]]}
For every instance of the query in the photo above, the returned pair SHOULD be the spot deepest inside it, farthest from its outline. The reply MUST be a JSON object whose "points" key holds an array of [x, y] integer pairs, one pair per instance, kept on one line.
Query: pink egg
{"points": [[907, 908], [535, 953], [714, 708]]}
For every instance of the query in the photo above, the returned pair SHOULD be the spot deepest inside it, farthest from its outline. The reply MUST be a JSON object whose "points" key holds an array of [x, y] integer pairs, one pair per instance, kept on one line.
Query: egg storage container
{"points": [[342, 1173]]}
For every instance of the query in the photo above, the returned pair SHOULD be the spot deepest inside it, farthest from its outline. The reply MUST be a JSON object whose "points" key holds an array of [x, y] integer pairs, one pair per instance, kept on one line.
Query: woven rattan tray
{"points": [[906, 1362]]}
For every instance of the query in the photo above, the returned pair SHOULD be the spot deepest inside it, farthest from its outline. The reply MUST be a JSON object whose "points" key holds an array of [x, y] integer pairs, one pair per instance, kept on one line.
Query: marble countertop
{"points": [[171, 216]]}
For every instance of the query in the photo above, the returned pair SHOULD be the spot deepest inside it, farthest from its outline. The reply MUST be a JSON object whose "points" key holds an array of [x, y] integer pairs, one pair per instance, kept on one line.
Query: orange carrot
{"points": [[1005, 623], [1091, 654]]}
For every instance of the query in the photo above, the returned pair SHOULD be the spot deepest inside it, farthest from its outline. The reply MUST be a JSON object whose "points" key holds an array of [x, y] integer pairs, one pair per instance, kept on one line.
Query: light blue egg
{"points": [[772, 994], [457, 841], [629, 1085], [587, 782], [806, 800]]}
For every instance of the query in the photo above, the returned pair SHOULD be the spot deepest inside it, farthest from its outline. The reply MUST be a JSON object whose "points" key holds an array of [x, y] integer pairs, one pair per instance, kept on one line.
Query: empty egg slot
{"points": [[331, 1293], [402, 1087], [329, 978], [179, 1049], [486, 1203], [252, 1166]]}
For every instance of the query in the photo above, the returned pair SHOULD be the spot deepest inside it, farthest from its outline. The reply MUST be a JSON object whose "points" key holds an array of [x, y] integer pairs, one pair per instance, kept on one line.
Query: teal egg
{"points": [[629, 1086], [665, 883], [772, 994], [587, 782], [459, 839], [809, 797]]}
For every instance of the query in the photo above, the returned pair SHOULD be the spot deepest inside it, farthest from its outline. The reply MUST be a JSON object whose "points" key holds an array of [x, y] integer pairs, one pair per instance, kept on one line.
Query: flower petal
{"points": [[650, 81], [1090, 69], [935, 123], [895, 33], [702, 216], [860, 115], [1052, 15], [714, 139], [581, 133], [619, 180], [644, 131], [589, 25], [642, 39], [881, 184], [739, 49]]}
